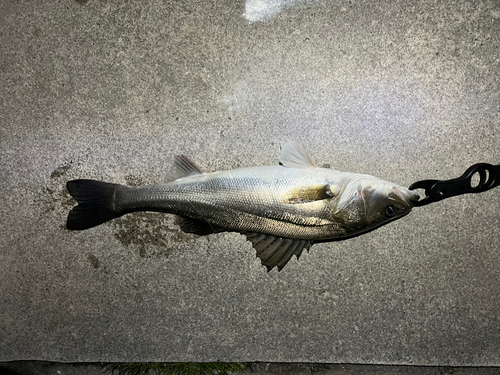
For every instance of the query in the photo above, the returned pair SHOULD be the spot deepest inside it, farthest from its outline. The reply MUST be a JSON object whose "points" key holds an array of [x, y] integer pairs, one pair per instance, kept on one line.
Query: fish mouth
{"points": [[404, 195]]}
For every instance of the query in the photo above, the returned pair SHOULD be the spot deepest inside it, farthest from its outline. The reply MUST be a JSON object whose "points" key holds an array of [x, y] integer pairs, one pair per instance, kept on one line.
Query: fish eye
{"points": [[389, 211]]}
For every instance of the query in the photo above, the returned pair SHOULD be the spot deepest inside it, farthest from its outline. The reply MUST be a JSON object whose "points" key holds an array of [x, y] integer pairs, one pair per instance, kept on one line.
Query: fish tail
{"points": [[95, 203]]}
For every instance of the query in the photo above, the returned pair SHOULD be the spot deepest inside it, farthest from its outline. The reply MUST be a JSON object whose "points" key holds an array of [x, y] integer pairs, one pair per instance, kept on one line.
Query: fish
{"points": [[281, 209]]}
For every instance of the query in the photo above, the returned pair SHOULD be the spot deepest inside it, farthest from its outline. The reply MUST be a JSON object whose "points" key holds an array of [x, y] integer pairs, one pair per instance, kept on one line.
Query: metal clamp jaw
{"points": [[436, 190]]}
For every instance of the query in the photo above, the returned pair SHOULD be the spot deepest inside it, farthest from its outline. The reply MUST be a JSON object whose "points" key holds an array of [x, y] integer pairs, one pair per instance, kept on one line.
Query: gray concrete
{"points": [[112, 90]]}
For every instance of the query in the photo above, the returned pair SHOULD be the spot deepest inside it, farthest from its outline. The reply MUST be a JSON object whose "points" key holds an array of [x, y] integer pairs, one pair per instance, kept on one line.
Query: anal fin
{"points": [[199, 227]]}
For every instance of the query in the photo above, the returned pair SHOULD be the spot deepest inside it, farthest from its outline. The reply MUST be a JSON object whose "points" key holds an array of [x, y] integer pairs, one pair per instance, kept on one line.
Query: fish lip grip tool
{"points": [[437, 190]]}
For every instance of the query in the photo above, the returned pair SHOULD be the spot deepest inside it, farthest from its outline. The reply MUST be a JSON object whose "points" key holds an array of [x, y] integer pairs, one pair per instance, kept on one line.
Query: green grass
{"points": [[447, 370], [187, 368]]}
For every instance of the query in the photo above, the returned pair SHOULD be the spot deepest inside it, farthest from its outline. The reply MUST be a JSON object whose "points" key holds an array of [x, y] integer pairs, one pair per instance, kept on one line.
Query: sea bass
{"points": [[281, 209]]}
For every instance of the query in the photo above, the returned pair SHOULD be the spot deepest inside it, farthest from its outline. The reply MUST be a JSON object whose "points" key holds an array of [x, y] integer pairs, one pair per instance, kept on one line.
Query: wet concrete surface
{"points": [[112, 91]]}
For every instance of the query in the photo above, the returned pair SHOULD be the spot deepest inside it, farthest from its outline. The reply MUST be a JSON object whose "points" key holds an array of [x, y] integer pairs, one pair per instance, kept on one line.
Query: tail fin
{"points": [[95, 203]]}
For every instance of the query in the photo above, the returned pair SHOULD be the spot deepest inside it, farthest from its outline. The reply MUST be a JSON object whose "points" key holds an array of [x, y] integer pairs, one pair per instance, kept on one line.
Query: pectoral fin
{"points": [[308, 194], [276, 251]]}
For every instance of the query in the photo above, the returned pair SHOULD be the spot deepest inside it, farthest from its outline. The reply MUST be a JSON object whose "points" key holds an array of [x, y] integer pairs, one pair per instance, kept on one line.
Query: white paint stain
{"points": [[259, 10]]}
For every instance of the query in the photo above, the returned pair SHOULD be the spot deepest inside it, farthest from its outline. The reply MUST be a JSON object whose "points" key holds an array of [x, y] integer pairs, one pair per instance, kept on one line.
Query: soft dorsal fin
{"points": [[276, 251], [293, 156], [185, 167]]}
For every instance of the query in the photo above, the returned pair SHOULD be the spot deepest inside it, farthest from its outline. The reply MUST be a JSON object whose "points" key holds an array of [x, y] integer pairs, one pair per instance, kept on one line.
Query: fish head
{"points": [[366, 202]]}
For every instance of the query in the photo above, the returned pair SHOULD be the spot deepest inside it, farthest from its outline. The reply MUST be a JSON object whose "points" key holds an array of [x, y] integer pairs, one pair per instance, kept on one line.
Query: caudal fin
{"points": [[95, 203]]}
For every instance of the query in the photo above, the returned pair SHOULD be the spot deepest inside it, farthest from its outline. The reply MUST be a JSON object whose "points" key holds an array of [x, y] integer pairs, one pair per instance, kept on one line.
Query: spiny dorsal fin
{"points": [[293, 156], [276, 251], [185, 167]]}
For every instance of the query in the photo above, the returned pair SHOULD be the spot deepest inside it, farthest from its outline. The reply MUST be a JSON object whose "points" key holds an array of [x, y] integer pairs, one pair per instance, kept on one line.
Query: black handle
{"points": [[436, 190]]}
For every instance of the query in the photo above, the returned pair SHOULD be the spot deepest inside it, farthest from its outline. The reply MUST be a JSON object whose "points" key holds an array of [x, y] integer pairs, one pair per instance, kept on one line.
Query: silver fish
{"points": [[281, 209]]}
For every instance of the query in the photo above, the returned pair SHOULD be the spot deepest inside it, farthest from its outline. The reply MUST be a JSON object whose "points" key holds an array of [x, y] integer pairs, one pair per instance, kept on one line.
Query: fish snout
{"points": [[405, 195]]}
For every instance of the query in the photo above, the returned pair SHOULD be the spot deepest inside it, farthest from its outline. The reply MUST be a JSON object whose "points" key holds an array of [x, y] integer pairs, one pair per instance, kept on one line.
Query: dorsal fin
{"points": [[294, 156], [185, 167], [276, 251]]}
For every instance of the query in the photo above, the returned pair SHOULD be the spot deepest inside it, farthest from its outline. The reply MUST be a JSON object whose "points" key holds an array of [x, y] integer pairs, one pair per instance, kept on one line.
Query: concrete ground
{"points": [[113, 90]]}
